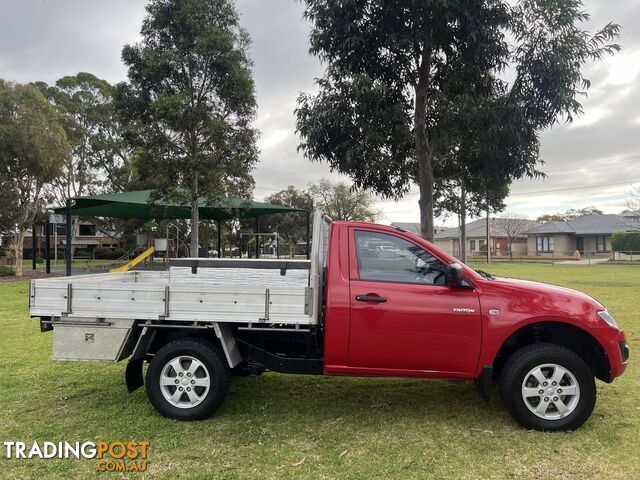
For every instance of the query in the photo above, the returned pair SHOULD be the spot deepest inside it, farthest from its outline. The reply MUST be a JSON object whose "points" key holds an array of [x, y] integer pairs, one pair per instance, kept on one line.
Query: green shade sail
{"points": [[138, 205]]}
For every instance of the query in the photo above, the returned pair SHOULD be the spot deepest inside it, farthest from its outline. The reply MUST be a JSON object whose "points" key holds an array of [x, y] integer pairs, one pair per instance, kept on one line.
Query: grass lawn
{"points": [[278, 426]]}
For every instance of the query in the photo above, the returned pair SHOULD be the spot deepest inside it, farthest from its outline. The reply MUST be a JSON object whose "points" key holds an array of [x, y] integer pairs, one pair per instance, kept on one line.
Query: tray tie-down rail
{"points": [[282, 265]]}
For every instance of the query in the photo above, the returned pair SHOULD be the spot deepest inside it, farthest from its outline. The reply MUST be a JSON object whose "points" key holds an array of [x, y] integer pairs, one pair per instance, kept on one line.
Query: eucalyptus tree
{"points": [[342, 202], [379, 113], [33, 148], [291, 227], [190, 102], [100, 156]]}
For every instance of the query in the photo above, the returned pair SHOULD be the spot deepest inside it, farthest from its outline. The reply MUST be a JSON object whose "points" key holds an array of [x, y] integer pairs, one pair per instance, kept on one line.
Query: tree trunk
{"points": [[195, 217], [19, 251], [510, 250], [423, 151], [75, 228], [463, 222]]}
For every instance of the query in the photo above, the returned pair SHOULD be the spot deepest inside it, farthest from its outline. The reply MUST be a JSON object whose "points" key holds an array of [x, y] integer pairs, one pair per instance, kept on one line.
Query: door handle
{"points": [[370, 298]]}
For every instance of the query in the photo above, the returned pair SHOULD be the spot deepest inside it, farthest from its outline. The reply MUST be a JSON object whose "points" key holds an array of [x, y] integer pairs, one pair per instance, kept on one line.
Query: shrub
{"points": [[625, 241], [109, 253], [6, 271], [82, 254]]}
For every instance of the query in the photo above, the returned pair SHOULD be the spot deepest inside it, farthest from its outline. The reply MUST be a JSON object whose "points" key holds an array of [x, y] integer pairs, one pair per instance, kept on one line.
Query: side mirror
{"points": [[454, 274]]}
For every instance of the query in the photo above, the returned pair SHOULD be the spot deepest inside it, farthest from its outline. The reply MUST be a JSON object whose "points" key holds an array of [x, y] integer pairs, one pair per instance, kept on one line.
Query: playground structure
{"points": [[142, 205], [128, 266]]}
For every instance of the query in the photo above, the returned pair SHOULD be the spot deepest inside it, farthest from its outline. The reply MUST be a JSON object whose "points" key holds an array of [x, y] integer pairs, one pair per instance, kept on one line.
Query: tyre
{"points": [[188, 379], [548, 387]]}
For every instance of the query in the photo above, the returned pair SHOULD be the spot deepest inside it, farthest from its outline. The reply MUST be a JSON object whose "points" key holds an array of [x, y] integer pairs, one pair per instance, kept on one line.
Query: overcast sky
{"points": [[592, 162]]}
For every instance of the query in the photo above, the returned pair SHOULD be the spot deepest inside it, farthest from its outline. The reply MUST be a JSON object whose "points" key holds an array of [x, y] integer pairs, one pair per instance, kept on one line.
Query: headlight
{"points": [[604, 315]]}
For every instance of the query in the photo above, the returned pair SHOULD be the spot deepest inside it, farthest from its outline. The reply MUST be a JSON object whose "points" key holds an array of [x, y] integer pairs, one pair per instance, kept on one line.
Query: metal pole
{"points": [[488, 236], [55, 244], [219, 240], [257, 237], [47, 246], [34, 241], [277, 246], [67, 249], [308, 236]]}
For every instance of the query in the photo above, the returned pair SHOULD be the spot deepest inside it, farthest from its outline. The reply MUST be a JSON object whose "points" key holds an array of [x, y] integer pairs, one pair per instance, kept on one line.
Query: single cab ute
{"points": [[373, 300]]}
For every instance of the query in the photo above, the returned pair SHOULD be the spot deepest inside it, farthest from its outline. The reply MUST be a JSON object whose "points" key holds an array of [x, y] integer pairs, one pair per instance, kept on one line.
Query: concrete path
{"points": [[584, 261]]}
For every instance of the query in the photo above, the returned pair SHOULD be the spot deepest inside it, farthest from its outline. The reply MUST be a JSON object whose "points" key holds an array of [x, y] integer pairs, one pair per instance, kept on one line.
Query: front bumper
{"points": [[617, 350]]}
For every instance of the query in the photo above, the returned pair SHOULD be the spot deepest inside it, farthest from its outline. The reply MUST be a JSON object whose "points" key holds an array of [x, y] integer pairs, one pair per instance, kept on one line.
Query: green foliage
{"points": [[344, 427], [415, 92], [33, 147], [625, 241], [6, 271], [568, 215], [290, 226], [342, 202], [100, 156], [190, 102]]}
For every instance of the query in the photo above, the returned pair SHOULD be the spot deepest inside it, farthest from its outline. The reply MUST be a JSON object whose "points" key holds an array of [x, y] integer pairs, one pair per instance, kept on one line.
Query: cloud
{"points": [[46, 39], [272, 138], [623, 68]]}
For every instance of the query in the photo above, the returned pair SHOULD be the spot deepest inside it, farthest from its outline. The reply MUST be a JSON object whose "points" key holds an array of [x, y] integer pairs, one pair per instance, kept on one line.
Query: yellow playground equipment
{"points": [[124, 268]]}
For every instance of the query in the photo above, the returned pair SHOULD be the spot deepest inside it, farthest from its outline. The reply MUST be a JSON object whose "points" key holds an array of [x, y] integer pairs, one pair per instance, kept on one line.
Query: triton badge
{"points": [[463, 310]]}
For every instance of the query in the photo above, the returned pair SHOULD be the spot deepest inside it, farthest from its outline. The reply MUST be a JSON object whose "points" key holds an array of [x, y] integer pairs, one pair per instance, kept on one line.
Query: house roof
{"points": [[588, 225], [414, 227], [478, 229], [631, 214], [553, 227]]}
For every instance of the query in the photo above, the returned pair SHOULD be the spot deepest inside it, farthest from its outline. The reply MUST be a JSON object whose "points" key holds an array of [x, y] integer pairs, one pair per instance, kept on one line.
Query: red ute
{"points": [[379, 302]]}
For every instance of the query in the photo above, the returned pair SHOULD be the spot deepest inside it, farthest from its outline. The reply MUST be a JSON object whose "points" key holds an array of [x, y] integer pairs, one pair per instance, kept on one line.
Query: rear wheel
{"points": [[548, 387], [188, 379]]}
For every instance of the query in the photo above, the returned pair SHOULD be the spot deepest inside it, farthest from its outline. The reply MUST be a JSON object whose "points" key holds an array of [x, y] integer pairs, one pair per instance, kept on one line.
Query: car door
{"points": [[404, 318]]}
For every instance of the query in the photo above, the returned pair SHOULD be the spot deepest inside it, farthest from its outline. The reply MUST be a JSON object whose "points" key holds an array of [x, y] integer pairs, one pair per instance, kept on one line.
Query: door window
{"points": [[387, 258]]}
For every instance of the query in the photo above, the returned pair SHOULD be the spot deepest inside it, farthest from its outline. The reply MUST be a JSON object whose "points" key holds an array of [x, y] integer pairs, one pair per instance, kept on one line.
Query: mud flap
{"points": [[483, 383], [133, 373]]}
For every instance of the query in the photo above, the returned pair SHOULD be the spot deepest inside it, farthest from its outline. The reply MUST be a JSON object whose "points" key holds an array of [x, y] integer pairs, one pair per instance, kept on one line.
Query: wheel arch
{"points": [[152, 339], [220, 335], [561, 333]]}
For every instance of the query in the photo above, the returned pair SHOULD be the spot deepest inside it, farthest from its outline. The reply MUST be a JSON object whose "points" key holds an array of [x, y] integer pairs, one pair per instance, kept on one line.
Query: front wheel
{"points": [[548, 387], [188, 379]]}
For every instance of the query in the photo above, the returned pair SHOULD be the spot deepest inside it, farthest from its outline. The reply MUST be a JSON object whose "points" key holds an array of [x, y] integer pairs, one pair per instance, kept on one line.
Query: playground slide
{"points": [[148, 252]]}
